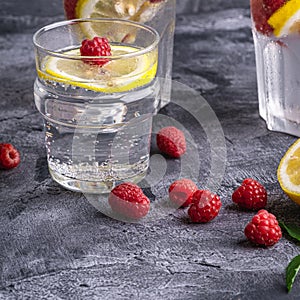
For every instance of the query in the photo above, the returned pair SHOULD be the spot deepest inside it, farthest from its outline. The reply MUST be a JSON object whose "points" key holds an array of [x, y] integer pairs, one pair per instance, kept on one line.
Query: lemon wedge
{"points": [[118, 75], [286, 20], [288, 172]]}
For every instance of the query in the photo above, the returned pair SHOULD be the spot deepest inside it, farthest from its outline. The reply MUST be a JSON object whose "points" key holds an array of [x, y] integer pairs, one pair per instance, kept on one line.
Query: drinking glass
{"points": [[158, 14], [97, 118], [278, 72]]}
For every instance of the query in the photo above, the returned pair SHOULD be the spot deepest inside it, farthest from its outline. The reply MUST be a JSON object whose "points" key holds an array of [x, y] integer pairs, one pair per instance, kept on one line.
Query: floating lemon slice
{"points": [[134, 10], [118, 75], [288, 172], [104, 8], [286, 20]]}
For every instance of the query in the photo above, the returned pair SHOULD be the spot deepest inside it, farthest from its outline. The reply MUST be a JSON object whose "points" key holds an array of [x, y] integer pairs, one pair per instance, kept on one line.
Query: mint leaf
{"points": [[292, 230], [292, 271]]}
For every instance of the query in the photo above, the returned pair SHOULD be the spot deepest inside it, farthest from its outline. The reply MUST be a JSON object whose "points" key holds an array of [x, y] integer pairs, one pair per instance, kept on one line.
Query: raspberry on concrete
{"points": [[205, 206], [129, 200], [9, 156], [250, 195], [263, 229], [171, 141], [98, 46], [181, 192]]}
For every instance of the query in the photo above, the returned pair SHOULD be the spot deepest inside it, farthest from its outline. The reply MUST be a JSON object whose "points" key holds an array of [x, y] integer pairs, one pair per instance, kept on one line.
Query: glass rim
{"points": [[138, 52]]}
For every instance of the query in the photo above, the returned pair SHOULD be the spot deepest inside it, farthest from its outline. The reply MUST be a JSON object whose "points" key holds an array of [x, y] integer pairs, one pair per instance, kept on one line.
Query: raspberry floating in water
{"points": [[250, 195], [129, 200], [181, 192], [98, 46], [263, 229], [261, 11], [205, 206], [9, 156], [171, 141]]}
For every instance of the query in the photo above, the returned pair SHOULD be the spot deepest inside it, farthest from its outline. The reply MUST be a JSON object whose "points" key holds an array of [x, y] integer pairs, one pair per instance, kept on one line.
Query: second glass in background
{"points": [[158, 14], [278, 72]]}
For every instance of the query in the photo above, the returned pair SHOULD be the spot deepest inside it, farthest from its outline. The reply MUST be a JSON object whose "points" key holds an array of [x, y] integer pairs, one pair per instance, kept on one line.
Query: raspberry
{"points": [[171, 141], [263, 229], [271, 6], [129, 200], [9, 156], [205, 206], [250, 195], [98, 46], [69, 8], [181, 192], [262, 11]]}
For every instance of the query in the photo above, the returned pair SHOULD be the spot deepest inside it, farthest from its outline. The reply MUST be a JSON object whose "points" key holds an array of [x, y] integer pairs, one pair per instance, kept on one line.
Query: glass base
{"points": [[283, 125], [91, 187]]}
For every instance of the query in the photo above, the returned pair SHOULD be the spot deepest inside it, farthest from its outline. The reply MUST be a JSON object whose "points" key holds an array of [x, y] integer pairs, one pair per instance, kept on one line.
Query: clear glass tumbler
{"points": [[278, 70], [98, 117], [158, 14]]}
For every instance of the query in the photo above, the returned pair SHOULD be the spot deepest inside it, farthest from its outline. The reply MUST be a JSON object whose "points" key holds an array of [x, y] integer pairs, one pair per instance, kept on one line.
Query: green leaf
{"points": [[292, 271], [292, 230]]}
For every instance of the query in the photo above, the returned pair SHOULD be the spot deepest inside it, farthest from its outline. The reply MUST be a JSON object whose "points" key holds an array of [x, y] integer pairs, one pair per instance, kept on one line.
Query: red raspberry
{"points": [[171, 141], [70, 8], [262, 11], [155, 1], [129, 200], [98, 46], [271, 6], [250, 195], [263, 229], [205, 206], [9, 156], [181, 192]]}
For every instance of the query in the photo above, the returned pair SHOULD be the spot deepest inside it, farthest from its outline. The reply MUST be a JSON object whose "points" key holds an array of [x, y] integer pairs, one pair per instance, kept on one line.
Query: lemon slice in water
{"points": [[288, 172], [140, 11], [118, 75], [286, 20], [135, 10]]}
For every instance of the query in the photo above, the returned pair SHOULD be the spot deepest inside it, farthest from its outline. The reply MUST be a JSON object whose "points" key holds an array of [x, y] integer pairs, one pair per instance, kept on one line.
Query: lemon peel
{"points": [[286, 19], [288, 172]]}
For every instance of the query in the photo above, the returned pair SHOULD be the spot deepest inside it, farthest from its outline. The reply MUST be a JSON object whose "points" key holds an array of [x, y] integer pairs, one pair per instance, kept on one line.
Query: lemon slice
{"points": [[118, 75], [288, 172], [286, 20], [135, 10], [140, 11], [108, 9]]}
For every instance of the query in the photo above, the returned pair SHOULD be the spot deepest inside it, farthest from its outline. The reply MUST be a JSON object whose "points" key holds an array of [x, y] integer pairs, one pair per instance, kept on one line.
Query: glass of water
{"points": [[277, 50], [97, 116], [158, 14]]}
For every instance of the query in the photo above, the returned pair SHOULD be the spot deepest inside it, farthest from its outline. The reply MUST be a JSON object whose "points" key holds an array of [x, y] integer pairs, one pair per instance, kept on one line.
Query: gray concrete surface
{"points": [[55, 245]]}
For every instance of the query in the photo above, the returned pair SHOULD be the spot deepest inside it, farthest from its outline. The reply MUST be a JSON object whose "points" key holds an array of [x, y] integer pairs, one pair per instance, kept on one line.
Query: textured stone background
{"points": [[55, 245]]}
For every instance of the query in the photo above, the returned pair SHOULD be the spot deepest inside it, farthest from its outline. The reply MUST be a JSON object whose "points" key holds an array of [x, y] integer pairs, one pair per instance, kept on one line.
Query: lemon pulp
{"points": [[288, 172], [118, 75], [286, 20]]}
